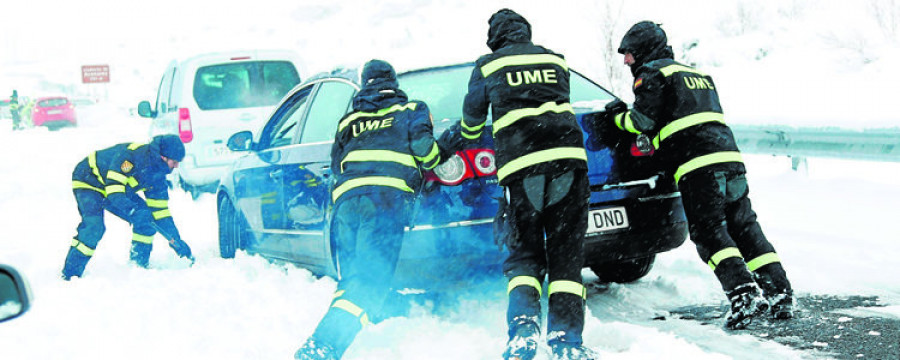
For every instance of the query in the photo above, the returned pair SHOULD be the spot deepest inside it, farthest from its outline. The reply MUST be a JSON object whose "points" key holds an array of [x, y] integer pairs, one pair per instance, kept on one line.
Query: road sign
{"points": [[94, 74]]}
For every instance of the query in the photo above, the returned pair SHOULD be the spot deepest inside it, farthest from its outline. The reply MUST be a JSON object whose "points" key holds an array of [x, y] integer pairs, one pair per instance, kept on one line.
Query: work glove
{"points": [[505, 226], [451, 140], [181, 249], [615, 107]]}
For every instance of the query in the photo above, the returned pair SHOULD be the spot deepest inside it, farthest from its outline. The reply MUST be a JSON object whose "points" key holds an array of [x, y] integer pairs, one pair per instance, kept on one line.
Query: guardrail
{"points": [[802, 142]]}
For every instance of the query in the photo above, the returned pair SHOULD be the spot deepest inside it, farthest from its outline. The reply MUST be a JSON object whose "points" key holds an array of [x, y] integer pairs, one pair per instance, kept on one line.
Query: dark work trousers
{"points": [[91, 205], [550, 219], [368, 231], [719, 217]]}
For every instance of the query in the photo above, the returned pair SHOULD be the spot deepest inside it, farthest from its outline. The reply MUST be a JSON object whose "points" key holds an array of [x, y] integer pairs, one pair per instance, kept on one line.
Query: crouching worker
{"points": [[379, 151], [109, 179]]}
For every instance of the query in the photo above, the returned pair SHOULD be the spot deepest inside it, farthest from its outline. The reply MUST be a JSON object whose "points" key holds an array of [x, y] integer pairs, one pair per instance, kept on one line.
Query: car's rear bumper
{"points": [[656, 225]]}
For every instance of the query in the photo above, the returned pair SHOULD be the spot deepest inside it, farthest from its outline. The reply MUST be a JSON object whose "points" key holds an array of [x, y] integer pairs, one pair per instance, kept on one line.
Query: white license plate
{"points": [[54, 112], [603, 220]]}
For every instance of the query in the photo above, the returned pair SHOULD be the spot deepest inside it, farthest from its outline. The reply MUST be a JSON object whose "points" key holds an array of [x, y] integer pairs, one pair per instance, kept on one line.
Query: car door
{"points": [[308, 176], [259, 177]]}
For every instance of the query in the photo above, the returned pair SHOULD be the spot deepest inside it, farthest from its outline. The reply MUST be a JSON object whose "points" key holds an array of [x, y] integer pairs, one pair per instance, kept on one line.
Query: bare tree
{"points": [[887, 16], [610, 23]]}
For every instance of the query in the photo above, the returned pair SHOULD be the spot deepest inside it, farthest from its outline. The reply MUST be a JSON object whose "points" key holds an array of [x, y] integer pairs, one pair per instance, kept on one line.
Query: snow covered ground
{"points": [[781, 62], [834, 226]]}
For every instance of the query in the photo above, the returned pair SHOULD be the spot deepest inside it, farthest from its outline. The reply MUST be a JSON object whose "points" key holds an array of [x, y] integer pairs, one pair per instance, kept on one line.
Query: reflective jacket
{"points": [[120, 172], [383, 143], [534, 127], [678, 107]]}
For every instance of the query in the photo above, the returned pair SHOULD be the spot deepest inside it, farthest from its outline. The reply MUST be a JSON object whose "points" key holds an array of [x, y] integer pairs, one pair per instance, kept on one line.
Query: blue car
{"points": [[274, 201]]}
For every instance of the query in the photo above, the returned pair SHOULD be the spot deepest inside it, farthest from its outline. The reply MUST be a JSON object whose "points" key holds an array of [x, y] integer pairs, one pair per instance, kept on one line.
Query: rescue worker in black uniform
{"points": [[110, 180], [542, 166], [677, 108], [379, 151]]}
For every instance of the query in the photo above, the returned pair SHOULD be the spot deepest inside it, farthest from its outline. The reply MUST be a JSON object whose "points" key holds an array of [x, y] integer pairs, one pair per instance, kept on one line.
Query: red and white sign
{"points": [[94, 74]]}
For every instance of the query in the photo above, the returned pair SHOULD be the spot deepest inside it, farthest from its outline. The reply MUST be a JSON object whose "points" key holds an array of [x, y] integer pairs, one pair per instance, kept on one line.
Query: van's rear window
{"points": [[244, 84]]}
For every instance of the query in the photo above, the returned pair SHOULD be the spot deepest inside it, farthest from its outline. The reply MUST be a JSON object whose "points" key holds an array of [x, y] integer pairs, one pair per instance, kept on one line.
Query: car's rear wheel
{"points": [[232, 229], [625, 271]]}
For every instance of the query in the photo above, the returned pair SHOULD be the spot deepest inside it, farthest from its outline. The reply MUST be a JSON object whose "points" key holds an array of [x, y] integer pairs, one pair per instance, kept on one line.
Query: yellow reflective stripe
{"points": [[145, 239], [112, 189], [379, 155], [135, 146], [92, 162], [567, 286], [762, 260], [157, 203], [370, 181], [338, 294], [82, 185], [81, 247], [133, 182], [516, 60], [524, 281], [430, 161], [159, 214], [112, 175], [723, 254], [472, 128], [471, 136], [352, 309], [516, 115], [624, 122], [382, 112], [671, 69], [706, 160], [686, 122], [539, 157]]}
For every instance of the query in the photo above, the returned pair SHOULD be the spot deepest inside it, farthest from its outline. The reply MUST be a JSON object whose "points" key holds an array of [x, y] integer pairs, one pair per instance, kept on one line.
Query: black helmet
{"points": [[169, 146], [507, 26]]}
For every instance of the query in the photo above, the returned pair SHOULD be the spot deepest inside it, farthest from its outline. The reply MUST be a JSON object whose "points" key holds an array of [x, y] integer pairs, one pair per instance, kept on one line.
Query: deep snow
{"points": [[834, 225]]}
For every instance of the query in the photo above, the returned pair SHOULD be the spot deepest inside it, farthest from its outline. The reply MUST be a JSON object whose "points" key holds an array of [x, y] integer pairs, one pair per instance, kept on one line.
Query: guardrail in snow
{"points": [[802, 142]]}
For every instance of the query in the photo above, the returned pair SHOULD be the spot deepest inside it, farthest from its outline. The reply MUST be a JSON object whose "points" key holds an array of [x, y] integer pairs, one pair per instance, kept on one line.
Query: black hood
{"points": [[646, 41], [379, 87], [507, 27]]}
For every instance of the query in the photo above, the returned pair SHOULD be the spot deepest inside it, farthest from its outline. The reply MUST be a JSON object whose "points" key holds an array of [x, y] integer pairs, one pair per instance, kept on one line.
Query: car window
{"points": [[582, 89], [52, 102], [163, 98], [330, 105], [282, 128], [245, 84], [443, 90]]}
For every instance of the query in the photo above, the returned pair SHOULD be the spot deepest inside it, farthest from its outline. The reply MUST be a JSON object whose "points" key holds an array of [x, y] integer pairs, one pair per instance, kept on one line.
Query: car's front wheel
{"points": [[232, 229], [625, 271]]}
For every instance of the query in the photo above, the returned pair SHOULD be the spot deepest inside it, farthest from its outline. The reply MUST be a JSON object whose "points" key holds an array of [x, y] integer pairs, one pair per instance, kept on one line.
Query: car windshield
{"points": [[52, 102], [245, 84], [444, 89]]}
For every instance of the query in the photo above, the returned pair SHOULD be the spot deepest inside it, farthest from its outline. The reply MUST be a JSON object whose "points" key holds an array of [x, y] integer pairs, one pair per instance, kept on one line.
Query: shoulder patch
{"points": [[126, 166], [638, 82]]}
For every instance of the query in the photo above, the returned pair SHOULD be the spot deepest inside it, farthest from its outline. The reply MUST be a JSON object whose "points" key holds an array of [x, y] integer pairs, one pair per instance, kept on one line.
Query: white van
{"points": [[206, 98]]}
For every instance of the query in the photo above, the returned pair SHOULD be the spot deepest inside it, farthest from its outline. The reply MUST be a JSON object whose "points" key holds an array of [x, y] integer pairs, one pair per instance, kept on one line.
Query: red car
{"points": [[54, 112]]}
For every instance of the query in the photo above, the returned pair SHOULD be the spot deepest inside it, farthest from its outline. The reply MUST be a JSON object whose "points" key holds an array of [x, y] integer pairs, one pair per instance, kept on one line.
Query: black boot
{"points": [[777, 290], [747, 303], [568, 351], [523, 341]]}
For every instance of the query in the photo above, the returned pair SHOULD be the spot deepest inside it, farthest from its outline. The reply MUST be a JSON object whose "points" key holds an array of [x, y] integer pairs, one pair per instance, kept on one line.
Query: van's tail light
{"points": [[464, 165], [184, 125]]}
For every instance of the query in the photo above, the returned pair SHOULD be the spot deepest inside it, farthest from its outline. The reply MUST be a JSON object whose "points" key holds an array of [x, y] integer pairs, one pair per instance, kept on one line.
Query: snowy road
{"points": [[835, 226]]}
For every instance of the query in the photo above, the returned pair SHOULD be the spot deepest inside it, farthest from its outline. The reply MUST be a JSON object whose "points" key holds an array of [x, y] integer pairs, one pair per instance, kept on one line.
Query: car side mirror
{"points": [[144, 109], [15, 296], [241, 141]]}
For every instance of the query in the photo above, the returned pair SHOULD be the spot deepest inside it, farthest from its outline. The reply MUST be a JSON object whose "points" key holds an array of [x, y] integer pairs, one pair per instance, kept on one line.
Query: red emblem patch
{"points": [[638, 82]]}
